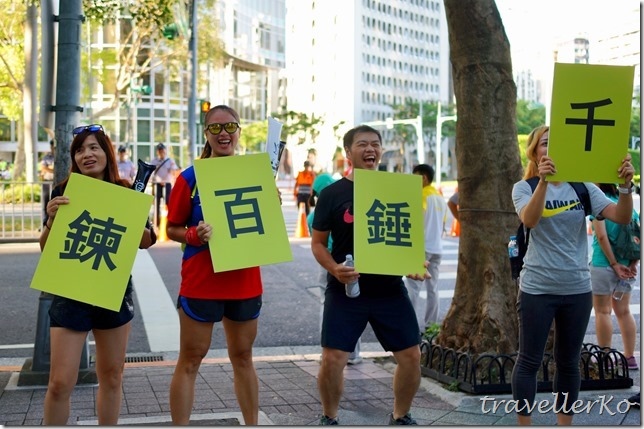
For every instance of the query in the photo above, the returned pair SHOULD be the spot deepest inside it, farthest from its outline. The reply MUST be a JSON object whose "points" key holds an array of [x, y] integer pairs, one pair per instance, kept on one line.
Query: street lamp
{"points": [[417, 123], [439, 125]]}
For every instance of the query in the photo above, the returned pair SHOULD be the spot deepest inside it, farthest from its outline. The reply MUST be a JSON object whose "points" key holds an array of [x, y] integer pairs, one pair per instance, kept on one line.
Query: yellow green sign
{"points": [[590, 121], [239, 199], [93, 242], [388, 223]]}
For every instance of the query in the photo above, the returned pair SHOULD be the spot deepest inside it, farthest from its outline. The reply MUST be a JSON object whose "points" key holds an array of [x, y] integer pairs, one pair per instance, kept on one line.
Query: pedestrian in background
{"points": [[383, 301], [207, 297], [70, 321], [320, 183], [434, 219], [606, 271], [452, 204], [304, 186], [127, 169], [163, 179], [555, 280], [47, 176]]}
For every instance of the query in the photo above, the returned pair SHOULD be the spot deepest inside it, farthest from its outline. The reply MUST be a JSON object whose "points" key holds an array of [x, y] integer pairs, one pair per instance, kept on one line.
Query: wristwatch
{"points": [[626, 190]]}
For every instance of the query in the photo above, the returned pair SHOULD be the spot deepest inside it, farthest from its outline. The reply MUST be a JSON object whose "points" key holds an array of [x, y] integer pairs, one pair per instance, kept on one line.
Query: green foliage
{"points": [[12, 52], [253, 137], [19, 193], [523, 145], [637, 163], [635, 121], [432, 330], [529, 115], [300, 125], [453, 386], [411, 109]]}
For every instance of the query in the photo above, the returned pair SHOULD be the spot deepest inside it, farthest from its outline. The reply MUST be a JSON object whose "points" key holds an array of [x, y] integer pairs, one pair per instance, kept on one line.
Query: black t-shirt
{"points": [[334, 213]]}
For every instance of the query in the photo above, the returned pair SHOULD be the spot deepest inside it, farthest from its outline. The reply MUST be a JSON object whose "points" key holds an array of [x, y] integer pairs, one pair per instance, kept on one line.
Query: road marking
{"points": [[160, 317]]}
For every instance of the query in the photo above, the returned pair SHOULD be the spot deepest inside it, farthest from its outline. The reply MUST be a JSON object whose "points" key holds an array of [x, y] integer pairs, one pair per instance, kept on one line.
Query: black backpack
{"points": [[523, 233]]}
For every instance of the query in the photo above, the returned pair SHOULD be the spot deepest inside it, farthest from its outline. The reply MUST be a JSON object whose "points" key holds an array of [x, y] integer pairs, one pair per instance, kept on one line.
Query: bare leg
{"points": [[406, 379], [111, 345], [240, 337], [66, 349], [603, 321], [193, 347], [331, 380], [626, 323]]}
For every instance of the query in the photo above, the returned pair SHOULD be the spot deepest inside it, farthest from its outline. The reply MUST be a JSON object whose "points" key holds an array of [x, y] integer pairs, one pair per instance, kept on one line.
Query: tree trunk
{"points": [[482, 317]]}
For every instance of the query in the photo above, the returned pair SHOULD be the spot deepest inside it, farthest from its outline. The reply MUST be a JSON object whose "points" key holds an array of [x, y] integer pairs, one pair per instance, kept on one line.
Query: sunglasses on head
{"points": [[230, 127], [91, 128]]}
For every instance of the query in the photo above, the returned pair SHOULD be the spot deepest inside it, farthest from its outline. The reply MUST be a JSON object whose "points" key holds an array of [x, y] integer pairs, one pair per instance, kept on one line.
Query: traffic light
{"points": [[204, 108]]}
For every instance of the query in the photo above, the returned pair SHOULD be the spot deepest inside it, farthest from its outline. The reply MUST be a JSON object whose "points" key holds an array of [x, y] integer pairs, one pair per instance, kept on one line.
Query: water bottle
{"points": [[623, 286], [513, 247], [352, 289]]}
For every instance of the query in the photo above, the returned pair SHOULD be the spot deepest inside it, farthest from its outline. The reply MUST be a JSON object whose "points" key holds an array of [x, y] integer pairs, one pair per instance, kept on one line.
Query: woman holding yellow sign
{"points": [[555, 283], [92, 155], [207, 297]]}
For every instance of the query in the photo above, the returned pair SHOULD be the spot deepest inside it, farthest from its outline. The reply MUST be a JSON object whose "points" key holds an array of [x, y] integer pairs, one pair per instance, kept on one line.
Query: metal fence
{"points": [[21, 210]]}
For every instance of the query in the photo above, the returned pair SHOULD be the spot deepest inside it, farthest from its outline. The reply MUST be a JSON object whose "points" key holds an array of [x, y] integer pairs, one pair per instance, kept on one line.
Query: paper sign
{"points": [[240, 200], [590, 121], [93, 242], [388, 223], [274, 147]]}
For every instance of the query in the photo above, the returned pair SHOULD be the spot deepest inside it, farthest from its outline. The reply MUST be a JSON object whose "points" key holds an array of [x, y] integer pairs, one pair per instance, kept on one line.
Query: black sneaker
{"points": [[634, 401], [328, 421], [404, 420]]}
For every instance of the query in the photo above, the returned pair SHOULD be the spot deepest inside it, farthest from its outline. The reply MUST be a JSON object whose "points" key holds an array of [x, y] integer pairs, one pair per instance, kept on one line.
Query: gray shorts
{"points": [[604, 280]]}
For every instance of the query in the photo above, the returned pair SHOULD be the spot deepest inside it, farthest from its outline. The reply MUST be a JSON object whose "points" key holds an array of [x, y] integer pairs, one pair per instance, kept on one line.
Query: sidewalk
{"points": [[288, 395]]}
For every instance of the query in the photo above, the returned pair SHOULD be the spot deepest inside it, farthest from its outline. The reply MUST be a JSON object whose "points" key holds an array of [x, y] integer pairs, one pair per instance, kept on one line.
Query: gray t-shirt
{"points": [[557, 258]]}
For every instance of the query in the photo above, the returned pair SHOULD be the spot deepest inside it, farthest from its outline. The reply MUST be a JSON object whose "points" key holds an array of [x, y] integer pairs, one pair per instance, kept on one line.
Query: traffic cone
{"points": [[302, 229], [163, 235], [456, 228]]}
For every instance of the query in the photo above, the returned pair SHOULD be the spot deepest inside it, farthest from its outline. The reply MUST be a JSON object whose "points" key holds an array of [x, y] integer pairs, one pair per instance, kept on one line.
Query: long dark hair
{"points": [[207, 150], [609, 189], [111, 167]]}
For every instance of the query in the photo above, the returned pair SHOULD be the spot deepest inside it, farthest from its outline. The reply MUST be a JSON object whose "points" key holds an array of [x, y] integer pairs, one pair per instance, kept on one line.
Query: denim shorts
{"points": [[214, 310]]}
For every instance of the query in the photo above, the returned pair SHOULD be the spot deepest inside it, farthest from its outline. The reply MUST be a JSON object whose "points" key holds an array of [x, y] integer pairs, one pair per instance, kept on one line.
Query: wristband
{"points": [[192, 238], [626, 190]]}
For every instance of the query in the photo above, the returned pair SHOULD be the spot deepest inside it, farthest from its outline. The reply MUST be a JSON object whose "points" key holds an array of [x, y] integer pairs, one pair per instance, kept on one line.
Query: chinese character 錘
{"points": [[389, 224]]}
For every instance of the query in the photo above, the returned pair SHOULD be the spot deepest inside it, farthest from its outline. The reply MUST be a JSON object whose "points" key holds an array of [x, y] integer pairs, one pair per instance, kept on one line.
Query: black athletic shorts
{"points": [[214, 310], [392, 319], [79, 316]]}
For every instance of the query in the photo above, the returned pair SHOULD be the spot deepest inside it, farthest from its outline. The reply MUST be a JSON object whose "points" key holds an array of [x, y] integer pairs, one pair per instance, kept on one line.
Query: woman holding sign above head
{"points": [[555, 282], [207, 297], [92, 155]]}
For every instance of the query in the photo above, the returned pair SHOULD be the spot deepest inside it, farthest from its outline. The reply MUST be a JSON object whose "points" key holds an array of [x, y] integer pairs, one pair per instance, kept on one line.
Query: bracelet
{"points": [[626, 191], [192, 238], [47, 226]]}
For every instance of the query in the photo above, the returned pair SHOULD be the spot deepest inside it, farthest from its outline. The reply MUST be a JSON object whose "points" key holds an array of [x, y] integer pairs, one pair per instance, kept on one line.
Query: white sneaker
{"points": [[354, 360]]}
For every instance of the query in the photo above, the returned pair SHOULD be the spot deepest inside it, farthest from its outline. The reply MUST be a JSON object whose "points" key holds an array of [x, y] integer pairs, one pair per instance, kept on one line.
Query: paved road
{"points": [[290, 316]]}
